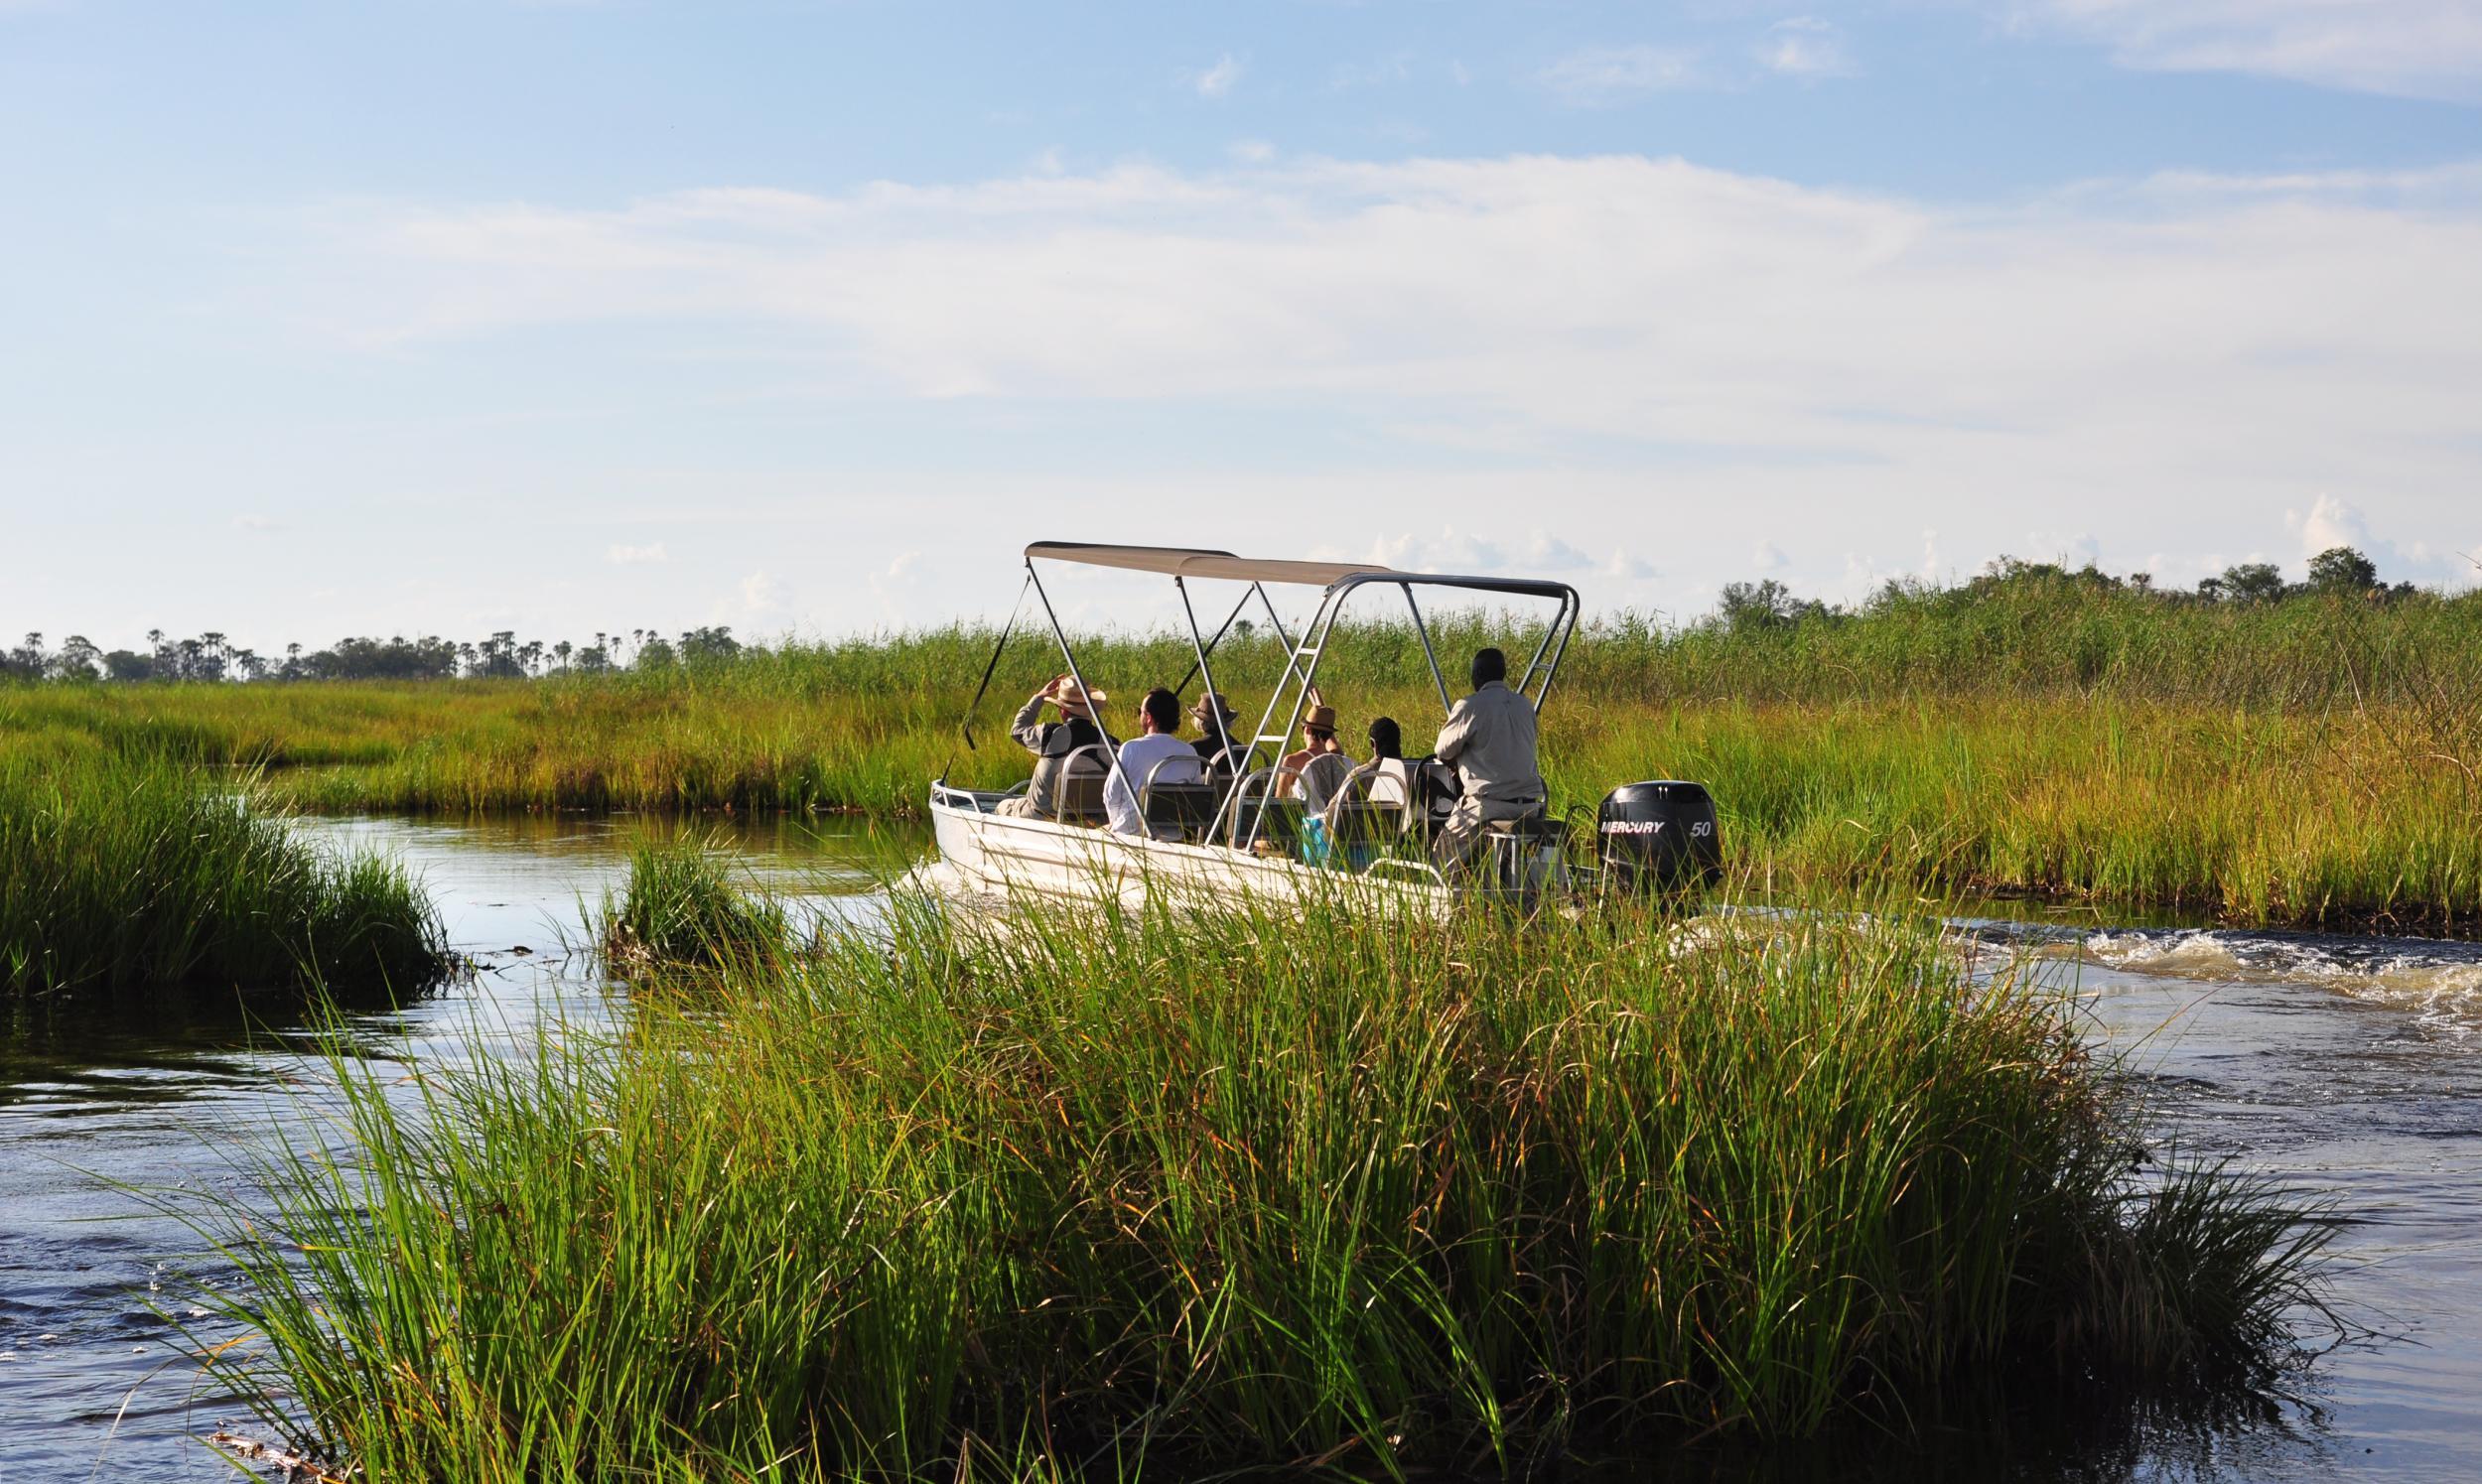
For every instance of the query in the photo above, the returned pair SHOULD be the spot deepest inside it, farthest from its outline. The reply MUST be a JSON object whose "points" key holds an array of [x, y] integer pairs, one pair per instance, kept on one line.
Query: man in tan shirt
{"points": [[1489, 738], [1074, 744]]}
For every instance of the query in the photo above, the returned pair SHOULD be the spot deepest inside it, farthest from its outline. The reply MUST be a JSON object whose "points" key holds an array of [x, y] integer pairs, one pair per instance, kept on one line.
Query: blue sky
{"points": [[458, 317]]}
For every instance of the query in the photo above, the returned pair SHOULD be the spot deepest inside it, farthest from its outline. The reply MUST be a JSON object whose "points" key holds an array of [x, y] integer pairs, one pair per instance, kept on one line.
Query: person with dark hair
{"points": [[1157, 755], [1387, 740], [1385, 780], [1489, 740], [1057, 746]]}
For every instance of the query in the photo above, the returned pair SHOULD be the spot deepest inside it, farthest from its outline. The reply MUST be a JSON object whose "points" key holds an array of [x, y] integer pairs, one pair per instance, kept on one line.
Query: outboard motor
{"points": [[1658, 837]]}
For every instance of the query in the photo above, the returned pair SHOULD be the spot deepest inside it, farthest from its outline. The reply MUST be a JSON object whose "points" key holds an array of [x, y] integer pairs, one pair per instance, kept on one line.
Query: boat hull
{"points": [[998, 854]]}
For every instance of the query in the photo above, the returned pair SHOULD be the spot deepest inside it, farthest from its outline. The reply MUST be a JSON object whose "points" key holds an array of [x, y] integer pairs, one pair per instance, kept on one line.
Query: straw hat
{"points": [[1210, 710], [1320, 716], [1069, 696]]}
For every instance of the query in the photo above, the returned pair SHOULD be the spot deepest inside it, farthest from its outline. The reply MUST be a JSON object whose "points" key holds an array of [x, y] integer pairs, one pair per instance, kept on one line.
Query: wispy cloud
{"points": [[2269, 338], [1599, 77], [1217, 81], [256, 524], [2419, 47], [632, 556], [1805, 47]]}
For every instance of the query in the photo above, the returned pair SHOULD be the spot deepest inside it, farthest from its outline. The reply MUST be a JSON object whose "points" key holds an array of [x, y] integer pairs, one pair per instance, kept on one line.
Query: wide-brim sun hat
{"points": [[1068, 695], [1210, 707], [1318, 718]]}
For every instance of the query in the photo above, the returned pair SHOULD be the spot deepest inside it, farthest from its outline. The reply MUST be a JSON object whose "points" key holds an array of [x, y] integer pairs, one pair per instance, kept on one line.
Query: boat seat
{"points": [[1081, 799], [1278, 822], [1181, 810], [1080, 793], [1364, 821], [1523, 853]]}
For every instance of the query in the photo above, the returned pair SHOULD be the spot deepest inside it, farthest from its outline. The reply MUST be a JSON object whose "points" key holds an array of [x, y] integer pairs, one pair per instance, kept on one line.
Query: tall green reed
{"points": [[1074, 1189], [117, 874]]}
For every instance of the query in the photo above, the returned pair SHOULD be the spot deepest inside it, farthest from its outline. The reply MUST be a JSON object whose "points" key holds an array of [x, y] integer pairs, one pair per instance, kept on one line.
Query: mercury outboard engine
{"points": [[1658, 837]]}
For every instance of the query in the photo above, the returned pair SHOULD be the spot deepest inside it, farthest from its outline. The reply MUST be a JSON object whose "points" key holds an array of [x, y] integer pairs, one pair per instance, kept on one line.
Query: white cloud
{"points": [[1540, 554], [1804, 47], [1219, 81], [1767, 557], [632, 556], [1598, 77], [2330, 524], [256, 524], [2184, 356], [760, 596], [2419, 47], [1251, 151]]}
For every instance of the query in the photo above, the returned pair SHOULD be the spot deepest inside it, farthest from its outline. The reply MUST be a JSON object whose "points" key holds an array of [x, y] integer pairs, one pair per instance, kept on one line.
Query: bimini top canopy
{"points": [[1183, 561]]}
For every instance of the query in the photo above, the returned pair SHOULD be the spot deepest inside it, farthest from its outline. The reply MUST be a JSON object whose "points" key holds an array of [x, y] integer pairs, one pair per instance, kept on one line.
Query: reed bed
{"points": [[2309, 762], [126, 874], [1072, 1193]]}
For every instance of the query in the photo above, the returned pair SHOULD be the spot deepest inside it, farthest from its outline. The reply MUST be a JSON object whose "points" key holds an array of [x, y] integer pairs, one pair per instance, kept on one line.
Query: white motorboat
{"points": [[1247, 838]]}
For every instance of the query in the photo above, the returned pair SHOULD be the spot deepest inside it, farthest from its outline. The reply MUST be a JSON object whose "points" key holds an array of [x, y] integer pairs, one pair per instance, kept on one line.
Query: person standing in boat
{"points": [[1489, 740], [1157, 755], [1057, 744]]}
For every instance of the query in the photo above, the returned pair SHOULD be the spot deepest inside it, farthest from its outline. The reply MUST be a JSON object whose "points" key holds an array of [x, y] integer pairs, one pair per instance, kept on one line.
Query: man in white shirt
{"points": [[1159, 715]]}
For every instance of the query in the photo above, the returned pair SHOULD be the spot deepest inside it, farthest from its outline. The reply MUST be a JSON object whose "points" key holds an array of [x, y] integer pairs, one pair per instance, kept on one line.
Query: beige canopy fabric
{"points": [[1182, 561]]}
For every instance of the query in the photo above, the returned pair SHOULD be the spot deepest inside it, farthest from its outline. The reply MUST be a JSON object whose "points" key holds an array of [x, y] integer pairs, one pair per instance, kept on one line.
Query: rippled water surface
{"points": [[2350, 1065]]}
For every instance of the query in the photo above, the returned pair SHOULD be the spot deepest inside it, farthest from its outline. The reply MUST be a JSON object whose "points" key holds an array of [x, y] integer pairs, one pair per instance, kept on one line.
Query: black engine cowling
{"points": [[1658, 837]]}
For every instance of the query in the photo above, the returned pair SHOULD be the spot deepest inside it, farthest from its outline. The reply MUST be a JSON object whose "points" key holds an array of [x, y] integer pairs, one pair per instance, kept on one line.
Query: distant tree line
{"points": [[503, 656], [2337, 572]]}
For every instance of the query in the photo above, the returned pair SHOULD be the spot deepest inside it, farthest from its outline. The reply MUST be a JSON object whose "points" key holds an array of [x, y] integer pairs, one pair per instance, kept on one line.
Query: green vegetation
{"points": [[1069, 1191], [2314, 758], [682, 907], [144, 873]]}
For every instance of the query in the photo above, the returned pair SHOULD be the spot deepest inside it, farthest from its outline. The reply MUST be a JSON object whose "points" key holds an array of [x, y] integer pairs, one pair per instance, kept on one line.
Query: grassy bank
{"points": [[2313, 761], [119, 875], [1079, 1193]]}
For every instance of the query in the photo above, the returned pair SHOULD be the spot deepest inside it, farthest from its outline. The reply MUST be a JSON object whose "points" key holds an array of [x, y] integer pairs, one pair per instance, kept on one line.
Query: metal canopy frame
{"points": [[1337, 582]]}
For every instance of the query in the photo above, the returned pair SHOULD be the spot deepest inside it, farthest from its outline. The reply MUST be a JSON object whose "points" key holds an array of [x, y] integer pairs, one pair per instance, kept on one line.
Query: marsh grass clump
{"points": [[683, 908], [120, 874], [1083, 1190]]}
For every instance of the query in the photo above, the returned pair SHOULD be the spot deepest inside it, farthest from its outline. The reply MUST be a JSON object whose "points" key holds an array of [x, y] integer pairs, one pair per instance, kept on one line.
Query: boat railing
{"points": [[1420, 870]]}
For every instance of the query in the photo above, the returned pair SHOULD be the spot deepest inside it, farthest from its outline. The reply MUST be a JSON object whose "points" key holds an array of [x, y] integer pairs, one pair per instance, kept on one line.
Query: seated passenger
{"points": [[1318, 769], [1053, 742], [1489, 740], [1385, 780], [1157, 755], [1223, 752]]}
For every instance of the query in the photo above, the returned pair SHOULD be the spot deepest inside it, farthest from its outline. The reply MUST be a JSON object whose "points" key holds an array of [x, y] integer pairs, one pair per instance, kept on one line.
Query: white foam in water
{"points": [[2440, 983]]}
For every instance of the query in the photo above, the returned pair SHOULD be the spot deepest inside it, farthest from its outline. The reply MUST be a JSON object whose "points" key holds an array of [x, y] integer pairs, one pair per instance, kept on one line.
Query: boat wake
{"points": [[2439, 980]]}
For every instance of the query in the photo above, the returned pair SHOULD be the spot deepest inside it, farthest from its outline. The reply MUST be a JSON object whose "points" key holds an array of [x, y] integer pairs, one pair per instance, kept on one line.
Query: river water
{"points": [[2350, 1067]]}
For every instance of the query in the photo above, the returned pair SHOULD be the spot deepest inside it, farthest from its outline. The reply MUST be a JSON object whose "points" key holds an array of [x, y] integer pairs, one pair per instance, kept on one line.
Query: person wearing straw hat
{"points": [[1320, 766], [1216, 746], [1057, 744]]}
